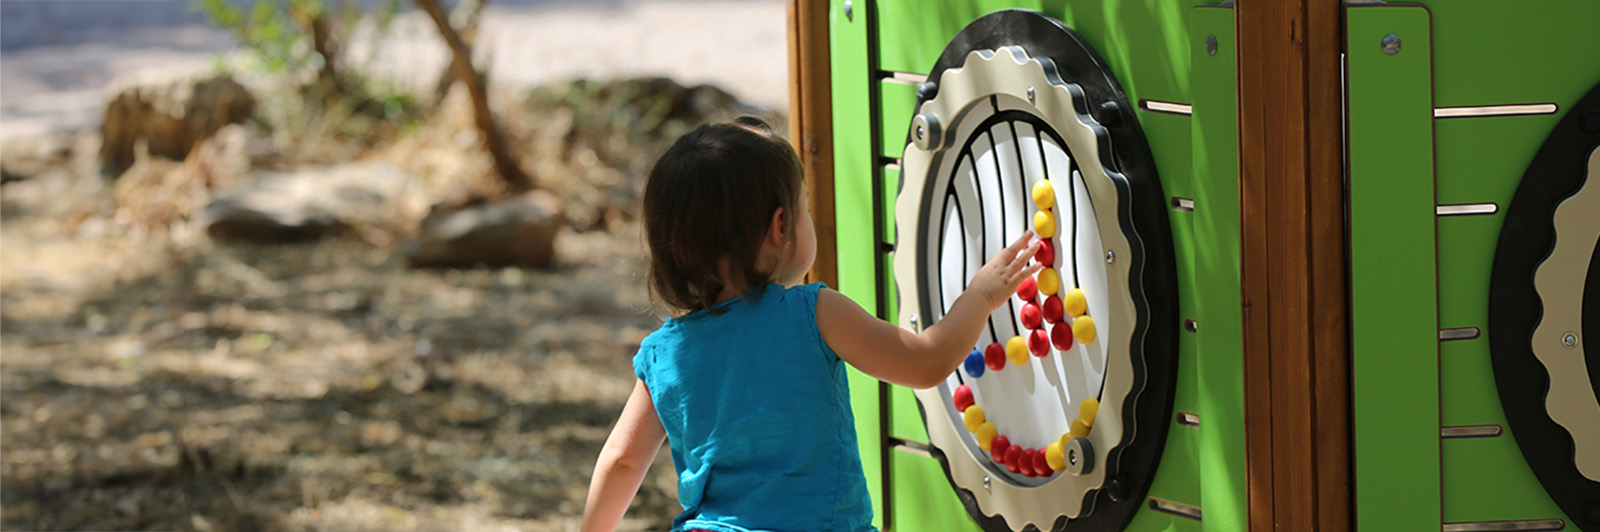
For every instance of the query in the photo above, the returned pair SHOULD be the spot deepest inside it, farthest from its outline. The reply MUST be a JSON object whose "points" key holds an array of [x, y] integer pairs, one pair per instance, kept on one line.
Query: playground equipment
{"points": [[1440, 223]]}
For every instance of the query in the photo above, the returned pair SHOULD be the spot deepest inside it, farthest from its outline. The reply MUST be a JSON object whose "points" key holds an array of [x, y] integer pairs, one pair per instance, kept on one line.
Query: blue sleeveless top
{"points": [[757, 412]]}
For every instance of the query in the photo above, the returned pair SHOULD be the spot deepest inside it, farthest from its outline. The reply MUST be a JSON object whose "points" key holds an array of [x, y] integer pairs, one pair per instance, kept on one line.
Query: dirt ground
{"points": [[154, 379], [162, 383]]}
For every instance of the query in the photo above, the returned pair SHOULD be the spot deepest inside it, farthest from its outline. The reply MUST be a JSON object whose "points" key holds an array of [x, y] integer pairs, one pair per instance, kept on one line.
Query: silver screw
{"points": [[1570, 339], [916, 325], [1211, 44], [919, 132], [849, 10], [1111, 257], [1391, 44], [986, 483], [1072, 456], [1030, 95]]}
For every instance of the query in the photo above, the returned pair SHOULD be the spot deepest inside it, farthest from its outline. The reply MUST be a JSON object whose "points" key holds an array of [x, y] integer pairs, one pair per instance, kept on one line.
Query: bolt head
{"points": [[1211, 44], [1570, 339], [1590, 123], [1111, 257], [1391, 44], [849, 10]]}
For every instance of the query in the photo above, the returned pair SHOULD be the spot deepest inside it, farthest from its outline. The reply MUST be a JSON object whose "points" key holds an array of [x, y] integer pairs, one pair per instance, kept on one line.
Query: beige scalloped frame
{"points": [[1009, 71], [1571, 400]]}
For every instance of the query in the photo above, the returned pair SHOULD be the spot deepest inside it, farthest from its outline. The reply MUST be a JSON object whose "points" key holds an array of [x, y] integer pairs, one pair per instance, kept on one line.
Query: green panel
{"points": [[1482, 160], [852, 166], [1394, 298], [899, 104], [1493, 52], [1144, 42], [923, 500], [1219, 367], [1489, 481]]}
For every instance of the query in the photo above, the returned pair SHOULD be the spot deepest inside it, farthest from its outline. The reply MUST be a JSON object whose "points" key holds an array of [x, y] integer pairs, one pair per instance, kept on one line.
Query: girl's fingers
{"points": [[1011, 250]]}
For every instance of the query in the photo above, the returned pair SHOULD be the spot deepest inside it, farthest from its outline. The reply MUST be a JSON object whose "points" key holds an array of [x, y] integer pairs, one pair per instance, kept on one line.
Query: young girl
{"points": [[747, 383]]}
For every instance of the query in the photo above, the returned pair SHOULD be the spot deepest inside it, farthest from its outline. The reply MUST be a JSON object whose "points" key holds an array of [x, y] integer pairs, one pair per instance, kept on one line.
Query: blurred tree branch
{"points": [[461, 64]]}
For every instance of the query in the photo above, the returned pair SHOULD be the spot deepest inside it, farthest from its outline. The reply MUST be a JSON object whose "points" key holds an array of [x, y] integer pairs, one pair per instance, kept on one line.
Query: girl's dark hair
{"points": [[710, 197]]}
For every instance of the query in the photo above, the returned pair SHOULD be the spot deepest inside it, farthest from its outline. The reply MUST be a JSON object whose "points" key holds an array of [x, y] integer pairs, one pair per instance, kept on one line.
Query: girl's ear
{"points": [[777, 230]]}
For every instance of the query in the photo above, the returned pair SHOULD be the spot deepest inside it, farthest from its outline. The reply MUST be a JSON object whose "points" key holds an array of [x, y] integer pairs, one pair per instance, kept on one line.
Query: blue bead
{"points": [[974, 363]]}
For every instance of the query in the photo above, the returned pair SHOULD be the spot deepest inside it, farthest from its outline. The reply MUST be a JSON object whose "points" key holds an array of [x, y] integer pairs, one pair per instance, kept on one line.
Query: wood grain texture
{"points": [[811, 127], [1296, 355]]}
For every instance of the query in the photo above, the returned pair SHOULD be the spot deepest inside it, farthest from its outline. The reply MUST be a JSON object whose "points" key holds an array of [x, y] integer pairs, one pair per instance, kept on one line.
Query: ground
{"points": [[154, 379]]}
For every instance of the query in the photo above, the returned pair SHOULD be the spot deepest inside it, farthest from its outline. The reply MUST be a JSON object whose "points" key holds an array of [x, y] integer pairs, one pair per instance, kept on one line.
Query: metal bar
{"points": [[903, 78], [1175, 508], [1458, 333], [1171, 108], [1182, 204], [1505, 526], [1495, 110], [1466, 209], [908, 446], [1188, 420], [1470, 431]]}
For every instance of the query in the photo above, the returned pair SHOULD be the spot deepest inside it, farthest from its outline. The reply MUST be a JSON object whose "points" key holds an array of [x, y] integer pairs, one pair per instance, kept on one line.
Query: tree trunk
{"points": [[461, 64], [465, 19], [315, 22]]}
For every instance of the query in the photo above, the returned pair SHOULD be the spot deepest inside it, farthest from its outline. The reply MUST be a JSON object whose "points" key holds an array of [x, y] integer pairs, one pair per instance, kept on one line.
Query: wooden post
{"points": [[1296, 349], [811, 126]]}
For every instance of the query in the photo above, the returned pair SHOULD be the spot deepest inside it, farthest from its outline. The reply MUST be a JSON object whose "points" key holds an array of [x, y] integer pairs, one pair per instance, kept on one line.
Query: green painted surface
{"points": [[1144, 42], [1219, 368], [1482, 160], [923, 500], [1394, 321], [899, 104], [852, 147]]}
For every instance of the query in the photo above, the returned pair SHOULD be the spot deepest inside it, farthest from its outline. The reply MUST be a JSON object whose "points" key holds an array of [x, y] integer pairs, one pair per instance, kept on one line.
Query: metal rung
{"points": [[1175, 508], [1495, 110], [907, 446], [1505, 526], [1466, 209], [1171, 108], [1188, 420], [1459, 333], [1470, 431], [904, 78]]}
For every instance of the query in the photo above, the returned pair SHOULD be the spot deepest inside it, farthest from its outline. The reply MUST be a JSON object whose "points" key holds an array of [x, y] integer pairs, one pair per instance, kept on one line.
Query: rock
{"points": [[24, 157], [275, 207], [516, 231], [171, 118]]}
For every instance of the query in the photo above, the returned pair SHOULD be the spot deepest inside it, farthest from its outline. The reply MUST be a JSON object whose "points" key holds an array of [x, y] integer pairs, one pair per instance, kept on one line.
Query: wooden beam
{"points": [[811, 126], [1296, 353]]}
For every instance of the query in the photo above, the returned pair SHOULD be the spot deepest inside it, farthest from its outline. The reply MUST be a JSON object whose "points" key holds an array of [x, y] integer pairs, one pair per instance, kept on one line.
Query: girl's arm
{"points": [[898, 356], [623, 462]]}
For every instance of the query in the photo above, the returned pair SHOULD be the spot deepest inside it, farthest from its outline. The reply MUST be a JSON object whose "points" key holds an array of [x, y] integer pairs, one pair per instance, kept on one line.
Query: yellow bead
{"points": [[1063, 441], [1083, 329], [1049, 282], [1087, 411], [973, 418], [1074, 303], [986, 434], [1017, 350], [1053, 456], [1044, 224], [1079, 429], [1044, 194]]}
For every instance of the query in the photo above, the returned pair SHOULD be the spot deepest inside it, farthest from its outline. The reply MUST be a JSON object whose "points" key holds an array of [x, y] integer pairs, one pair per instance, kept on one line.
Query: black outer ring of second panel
{"points": [[1076, 61], [1557, 172]]}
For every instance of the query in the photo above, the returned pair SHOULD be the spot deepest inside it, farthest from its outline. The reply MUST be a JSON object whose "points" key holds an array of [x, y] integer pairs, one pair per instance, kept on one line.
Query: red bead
{"points": [[1052, 309], [994, 356], [963, 398], [998, 447], [1026, 466], [1046, 254], [1039, 342], [1031, 315], [1028, 290], [1014, 458], [1061, 335], [1041, 466]]}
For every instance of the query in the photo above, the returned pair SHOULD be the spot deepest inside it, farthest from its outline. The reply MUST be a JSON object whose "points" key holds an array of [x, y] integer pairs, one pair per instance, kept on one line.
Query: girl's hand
{"points": [[997, 280]]}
